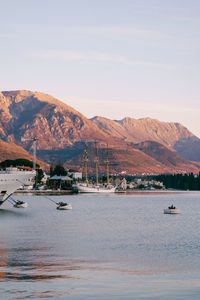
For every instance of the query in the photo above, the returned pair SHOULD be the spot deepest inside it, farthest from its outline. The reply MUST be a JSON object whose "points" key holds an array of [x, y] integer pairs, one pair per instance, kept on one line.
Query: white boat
{"points": [[20, 204], [11, 179], [171, 210], [91, 188], [64, 206], [85, 187]]}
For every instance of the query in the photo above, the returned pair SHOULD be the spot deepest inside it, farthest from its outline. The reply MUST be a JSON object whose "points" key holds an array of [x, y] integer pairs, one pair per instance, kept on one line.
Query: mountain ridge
{"points": [[48, 117], [59, 127], [139, 130]]}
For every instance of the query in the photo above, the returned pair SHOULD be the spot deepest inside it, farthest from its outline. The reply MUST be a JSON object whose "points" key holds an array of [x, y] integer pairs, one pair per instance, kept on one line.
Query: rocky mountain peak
{"points": [[29, 114], [59, 127]]}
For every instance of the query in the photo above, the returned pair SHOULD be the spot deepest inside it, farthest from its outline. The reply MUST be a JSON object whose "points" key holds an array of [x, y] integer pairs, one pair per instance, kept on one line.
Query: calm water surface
{"points": [[107, 247]]}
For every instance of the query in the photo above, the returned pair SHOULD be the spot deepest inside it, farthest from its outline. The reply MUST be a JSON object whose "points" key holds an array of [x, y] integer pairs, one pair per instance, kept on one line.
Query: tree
{"points": [[51, 171], [22, 162], [17, 162], [39, 176], [180, 181], [59, 170]]}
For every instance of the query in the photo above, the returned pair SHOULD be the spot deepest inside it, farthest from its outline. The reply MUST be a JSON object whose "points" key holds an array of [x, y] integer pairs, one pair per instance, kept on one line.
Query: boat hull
{"points": [[171, 211], [24, 205], [66, 207], [94, 189]]}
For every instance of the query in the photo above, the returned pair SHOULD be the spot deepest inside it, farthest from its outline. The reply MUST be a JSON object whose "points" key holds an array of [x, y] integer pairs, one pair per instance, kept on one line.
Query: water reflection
{"points": [[34, 265], [15, 266], [32, 277], [23, 265], [11, 213], [28, 294], [116, 247]]}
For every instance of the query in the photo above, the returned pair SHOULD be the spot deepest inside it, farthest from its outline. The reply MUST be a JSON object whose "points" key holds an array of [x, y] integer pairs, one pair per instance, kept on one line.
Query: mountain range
{"points": [[141, 146]]}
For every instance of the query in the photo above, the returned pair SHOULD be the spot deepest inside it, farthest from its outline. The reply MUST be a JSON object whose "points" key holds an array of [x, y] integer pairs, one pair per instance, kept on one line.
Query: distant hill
{"points": [[136, 131], [64, 132], [189, 148], [173, 135], [165, 156], [127, 158], [25, 114], [13, 151]]}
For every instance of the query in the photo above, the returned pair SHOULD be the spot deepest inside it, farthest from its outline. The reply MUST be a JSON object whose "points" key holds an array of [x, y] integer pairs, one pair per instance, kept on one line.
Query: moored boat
{"points": [[91, 188], [85, 187], [64, 206], [20, 204], [171, 210]]}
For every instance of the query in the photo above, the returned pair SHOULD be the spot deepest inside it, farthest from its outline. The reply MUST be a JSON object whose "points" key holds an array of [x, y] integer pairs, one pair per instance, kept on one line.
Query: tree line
{"points": [[22, 162], [180, 181]]}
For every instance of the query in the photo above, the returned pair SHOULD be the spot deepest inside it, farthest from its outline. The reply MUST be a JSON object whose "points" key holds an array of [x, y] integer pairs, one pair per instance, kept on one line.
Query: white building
{"points": [[74, 174]]}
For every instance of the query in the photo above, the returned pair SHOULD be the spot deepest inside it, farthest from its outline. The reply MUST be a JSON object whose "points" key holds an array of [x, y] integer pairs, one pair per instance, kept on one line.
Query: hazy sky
{"points": [[113, 58]]}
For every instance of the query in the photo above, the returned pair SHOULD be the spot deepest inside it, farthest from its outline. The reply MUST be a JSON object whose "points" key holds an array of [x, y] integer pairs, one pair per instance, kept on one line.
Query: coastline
{"points": [[44, 192], [70, 192]]}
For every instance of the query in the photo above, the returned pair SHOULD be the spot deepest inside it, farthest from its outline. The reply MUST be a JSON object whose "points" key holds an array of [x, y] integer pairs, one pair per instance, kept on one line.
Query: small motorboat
{"points": [[20, 204], [171, 210], [63, 206]]}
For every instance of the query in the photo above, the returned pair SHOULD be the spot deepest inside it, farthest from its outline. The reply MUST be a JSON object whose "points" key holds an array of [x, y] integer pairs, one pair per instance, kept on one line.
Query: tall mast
{"points": [[34, 153], [107, 166], [97, 165], [86, 160]]}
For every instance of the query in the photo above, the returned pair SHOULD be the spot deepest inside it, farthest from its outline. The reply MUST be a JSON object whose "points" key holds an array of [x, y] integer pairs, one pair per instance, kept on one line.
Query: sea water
{"points": [[118, 246]]}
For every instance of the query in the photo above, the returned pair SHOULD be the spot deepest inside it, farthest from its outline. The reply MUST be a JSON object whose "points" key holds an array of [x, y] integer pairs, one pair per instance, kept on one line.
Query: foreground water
{"points": [[106, 247]]}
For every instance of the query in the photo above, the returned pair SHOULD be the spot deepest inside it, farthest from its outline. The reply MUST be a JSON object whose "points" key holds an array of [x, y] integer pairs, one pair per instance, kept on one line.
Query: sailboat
{"points": [[86, 187]]}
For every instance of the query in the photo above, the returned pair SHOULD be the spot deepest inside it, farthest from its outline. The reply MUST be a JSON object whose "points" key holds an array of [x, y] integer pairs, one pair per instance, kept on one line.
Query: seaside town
{"points": [[100, 150], [65, 180]]}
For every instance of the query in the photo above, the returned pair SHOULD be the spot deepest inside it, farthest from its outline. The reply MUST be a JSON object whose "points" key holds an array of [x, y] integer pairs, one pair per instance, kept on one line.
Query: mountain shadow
{"points": [[189, 148]]}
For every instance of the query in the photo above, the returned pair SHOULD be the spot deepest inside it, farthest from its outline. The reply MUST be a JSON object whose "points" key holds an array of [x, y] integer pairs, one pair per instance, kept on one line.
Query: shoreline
{"points": [[72, 192], [44, 192]]}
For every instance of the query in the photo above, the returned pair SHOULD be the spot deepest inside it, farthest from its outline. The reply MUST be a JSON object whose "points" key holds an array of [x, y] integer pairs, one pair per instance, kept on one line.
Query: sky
{"points": [[111, 58]]}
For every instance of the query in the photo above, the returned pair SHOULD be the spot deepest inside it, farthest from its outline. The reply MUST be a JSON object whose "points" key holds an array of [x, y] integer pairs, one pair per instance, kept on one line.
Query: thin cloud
{"points": [[129, 106], [118, 33], [97, 58], [115, 32], [185, 19], [8, 36]]}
